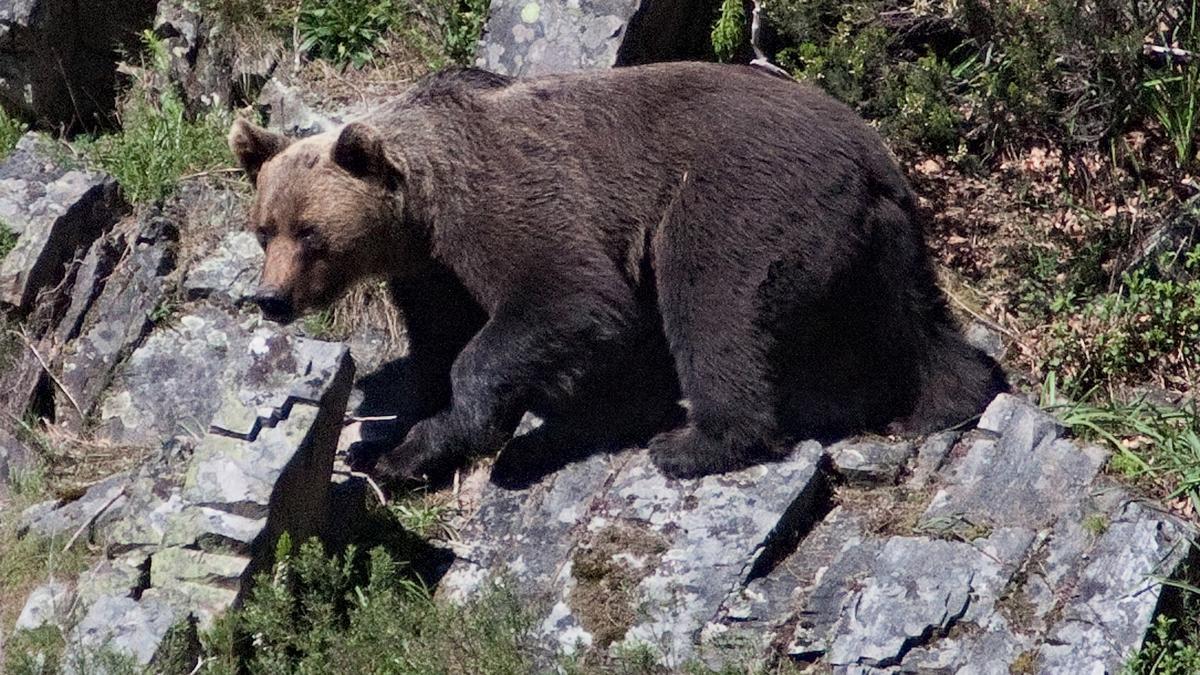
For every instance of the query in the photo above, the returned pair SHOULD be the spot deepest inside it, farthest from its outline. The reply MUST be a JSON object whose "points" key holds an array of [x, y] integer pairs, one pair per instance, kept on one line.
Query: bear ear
{"points": [[253, 146], [360, 151]]}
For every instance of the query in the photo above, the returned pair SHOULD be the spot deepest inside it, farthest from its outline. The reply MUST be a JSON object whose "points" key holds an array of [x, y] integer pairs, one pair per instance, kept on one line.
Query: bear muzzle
{"points": [[275, 305]]}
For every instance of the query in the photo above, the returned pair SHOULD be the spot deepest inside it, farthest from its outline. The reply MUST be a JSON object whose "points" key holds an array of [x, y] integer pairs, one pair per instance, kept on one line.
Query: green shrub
{"points": [[345, 31], [460, 24], [729, 32], [8, 240], [1151, 324], [354, 614], [987, 74], [11, 130], [1171, 648]]}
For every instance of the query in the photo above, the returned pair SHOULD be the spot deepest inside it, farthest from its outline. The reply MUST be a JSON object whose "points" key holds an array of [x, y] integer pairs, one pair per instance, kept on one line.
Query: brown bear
{"points": [[536, 232]]}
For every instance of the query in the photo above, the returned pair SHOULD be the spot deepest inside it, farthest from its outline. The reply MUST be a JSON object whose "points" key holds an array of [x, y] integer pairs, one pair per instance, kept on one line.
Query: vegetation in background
{"points": [[159, 142], [355, 613], [1149, 326], [354, 32], [345, 31], [11, 130], [1173, 644], [8, 240], [729, 32], [460, 24], [1155, 445]]}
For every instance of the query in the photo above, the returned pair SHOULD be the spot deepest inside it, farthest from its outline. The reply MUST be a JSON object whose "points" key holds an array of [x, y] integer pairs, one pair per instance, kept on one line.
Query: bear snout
{"points": [[274, 305]]}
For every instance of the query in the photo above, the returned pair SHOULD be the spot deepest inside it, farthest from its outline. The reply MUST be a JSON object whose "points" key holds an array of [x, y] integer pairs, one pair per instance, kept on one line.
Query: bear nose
{"points": [[274, 305]]}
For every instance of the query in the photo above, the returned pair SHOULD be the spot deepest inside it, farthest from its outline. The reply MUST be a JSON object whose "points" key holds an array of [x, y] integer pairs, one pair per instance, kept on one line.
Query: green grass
{"points": [[159, 142], [1156, 446], [8, 240], [11, 131], [345, 32], [355, 613]]}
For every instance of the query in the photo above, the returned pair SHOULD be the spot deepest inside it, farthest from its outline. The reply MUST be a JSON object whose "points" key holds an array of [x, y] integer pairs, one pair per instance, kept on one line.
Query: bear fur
{"points": [[750, 230]]}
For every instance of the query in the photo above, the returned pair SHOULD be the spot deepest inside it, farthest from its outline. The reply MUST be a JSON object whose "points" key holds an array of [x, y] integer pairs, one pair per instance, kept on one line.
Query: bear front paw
{"points": [[689, 453]]}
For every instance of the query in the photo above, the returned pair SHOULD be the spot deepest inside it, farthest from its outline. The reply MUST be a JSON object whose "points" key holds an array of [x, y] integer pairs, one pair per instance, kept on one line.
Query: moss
{"points": [[886, 511], [607, 566]]}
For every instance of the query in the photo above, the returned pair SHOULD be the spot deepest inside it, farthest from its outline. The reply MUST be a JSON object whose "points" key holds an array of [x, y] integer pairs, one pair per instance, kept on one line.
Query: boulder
{"points": [[185, 533], [56, 213], [527, 37], [118, 318], [58, 59], [208, 62]]}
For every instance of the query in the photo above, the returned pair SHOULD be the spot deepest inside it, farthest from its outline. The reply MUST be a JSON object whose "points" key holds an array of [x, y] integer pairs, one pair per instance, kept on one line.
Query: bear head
{"points": [[327, 211]]}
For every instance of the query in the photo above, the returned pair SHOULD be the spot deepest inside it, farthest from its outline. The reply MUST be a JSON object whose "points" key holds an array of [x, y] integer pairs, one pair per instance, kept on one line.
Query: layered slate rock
{"points": [[117, 318], [185, 533], [175, 381], [528, 37], [615, 553], [1005, 546], [230, 273], [56, 213]]}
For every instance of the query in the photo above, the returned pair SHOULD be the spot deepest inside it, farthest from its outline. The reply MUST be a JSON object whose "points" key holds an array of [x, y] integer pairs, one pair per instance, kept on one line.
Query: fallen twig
{"points": [[50, 373], [383, 501], [351, 419], [88, 523], [210, 172], [1171, 54]]}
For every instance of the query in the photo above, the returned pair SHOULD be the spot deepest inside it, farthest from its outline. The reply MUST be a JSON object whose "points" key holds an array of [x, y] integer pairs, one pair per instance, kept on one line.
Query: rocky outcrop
{"points": [[210, 63], [1005, 546], [55, 211], [58, 59], [528, 37], [183, 535]]}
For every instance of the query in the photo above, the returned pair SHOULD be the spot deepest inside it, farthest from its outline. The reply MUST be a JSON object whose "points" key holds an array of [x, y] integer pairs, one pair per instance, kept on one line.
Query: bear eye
{"points": [[263, 237], [308, 237]]}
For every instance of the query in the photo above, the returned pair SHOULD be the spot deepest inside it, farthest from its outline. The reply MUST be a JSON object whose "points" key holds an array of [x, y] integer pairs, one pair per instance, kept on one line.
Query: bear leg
{"points": [[528, 352], [721, 359]]}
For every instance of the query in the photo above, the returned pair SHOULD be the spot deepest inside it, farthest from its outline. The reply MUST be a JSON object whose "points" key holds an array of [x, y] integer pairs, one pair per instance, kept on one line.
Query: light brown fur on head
{"points": [[326, 211]]}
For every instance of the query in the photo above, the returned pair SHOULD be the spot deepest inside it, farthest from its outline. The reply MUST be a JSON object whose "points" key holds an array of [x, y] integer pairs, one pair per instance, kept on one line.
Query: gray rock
{"points": [[208, 64], [288, 113], [529, 37], [869, 461], [1009, 483], [122, 626], [101, 504], [117, 320], [230, 273], [58, 59], [89, 281], [175, 381], [47, 604], [920, 588], [15, 461], [187, 540], [56, 212], [931, 456], [1113, 599], [985, 339], [1025, 425], [677, 548]]}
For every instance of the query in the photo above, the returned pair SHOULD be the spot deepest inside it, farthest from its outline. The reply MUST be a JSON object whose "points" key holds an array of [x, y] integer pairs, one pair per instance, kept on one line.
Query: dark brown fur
{"points": [[535, 231]]}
